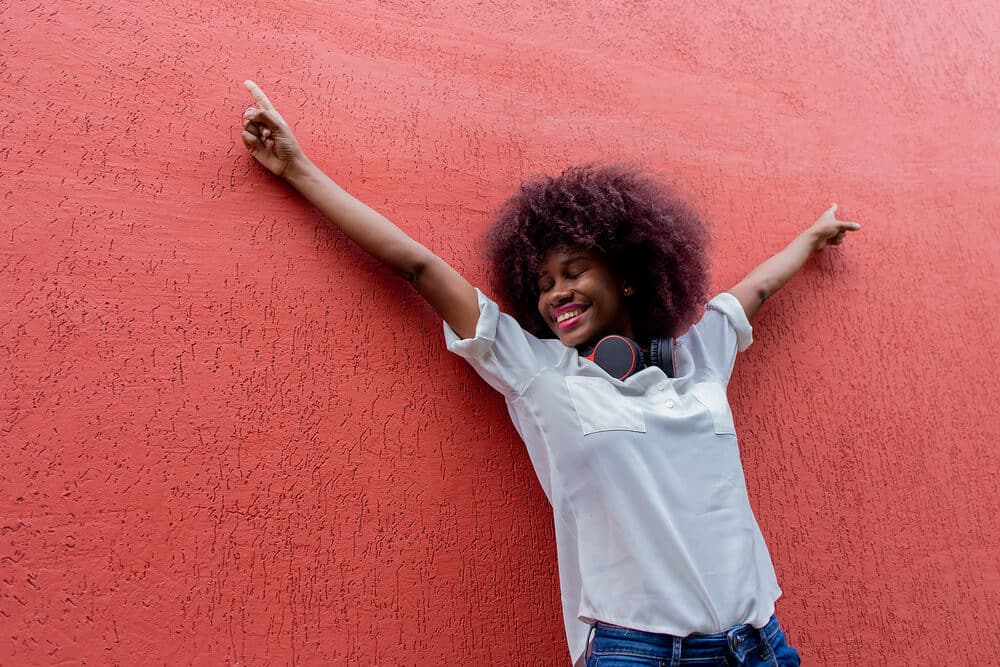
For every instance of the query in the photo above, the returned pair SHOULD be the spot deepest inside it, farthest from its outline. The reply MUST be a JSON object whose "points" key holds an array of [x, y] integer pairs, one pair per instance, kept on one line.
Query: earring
{"points": [[628, 291]]}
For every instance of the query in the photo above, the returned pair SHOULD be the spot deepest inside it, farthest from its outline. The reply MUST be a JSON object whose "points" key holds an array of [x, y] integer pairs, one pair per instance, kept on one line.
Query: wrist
{"points": [[298, 171], [810, 238]]}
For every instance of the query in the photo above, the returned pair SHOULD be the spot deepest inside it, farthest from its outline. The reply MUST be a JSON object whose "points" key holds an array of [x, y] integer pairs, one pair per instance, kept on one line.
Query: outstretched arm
{"points": [[772, 274], [272, 144]]}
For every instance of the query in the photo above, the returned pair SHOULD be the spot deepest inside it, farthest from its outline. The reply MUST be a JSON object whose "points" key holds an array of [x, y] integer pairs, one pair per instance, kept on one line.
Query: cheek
{"points": [[542, 317]]}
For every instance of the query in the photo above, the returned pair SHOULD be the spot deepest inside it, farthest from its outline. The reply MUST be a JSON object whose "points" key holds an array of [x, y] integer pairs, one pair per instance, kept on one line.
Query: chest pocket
{"points": [[599, 406], [713, 396]]}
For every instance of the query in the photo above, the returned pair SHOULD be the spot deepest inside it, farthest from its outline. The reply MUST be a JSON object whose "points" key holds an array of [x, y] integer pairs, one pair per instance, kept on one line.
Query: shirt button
{"points": [[661, 387], [670, 404]]}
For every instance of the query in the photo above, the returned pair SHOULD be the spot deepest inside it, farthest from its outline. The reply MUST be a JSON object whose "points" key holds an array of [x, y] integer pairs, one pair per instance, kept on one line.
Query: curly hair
{"points": [[645, 231]]}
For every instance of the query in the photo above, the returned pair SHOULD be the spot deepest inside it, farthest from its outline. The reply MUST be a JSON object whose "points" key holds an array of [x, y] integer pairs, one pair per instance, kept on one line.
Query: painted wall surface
{"points": [[231, 438]]}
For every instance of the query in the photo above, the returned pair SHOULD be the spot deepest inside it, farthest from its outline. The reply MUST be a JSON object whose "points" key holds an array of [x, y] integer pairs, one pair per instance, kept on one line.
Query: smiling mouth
{"points": [[569, 318]]}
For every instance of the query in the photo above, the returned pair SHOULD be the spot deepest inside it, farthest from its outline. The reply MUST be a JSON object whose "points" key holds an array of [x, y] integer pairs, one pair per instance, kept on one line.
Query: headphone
{"points": [[620, 356]]}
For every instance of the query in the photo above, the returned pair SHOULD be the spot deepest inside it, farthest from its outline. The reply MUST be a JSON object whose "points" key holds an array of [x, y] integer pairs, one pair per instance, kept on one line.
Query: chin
{"points": [[574, 338]]}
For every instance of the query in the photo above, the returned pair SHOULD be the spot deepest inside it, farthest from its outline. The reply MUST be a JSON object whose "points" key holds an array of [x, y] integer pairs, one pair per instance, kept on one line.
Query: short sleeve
{"points": [[501, 352], [715, 339]]}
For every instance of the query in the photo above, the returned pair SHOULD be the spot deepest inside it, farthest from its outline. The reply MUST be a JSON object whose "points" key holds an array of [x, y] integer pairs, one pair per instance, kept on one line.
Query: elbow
{"points": [[764, 288], [414, 267], [762, 294], [409, 274], [408, 259]]}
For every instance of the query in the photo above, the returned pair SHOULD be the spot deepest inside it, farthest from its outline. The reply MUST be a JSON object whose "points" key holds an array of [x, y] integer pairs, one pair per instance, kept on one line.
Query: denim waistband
{"points": [[736, 642]]}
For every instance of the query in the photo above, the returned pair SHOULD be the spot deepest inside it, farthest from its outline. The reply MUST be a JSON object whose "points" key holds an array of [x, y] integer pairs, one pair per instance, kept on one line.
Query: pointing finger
{"points": [[258, 95]]}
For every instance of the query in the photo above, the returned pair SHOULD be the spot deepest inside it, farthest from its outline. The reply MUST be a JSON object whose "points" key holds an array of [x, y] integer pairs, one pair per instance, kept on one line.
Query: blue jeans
{"points": [[743, 645]]}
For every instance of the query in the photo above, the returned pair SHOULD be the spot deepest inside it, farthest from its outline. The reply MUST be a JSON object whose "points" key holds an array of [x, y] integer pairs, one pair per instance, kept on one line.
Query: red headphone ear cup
{"points": [[618, 356]]}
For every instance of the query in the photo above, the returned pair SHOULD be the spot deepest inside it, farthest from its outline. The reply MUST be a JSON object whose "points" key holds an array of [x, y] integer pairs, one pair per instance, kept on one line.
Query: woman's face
{"points": [[580, 298]]}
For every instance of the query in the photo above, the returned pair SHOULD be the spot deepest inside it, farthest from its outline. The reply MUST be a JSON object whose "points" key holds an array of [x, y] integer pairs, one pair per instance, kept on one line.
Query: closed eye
{"points": [[547, 284]]}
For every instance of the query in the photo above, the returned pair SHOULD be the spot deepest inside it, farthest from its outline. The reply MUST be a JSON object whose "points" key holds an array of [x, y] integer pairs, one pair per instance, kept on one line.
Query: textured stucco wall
{"points": [[230, 438]]}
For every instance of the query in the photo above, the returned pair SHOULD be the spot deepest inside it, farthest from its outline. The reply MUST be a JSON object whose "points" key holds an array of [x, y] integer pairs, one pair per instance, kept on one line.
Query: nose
{"points": [[560, 293]]}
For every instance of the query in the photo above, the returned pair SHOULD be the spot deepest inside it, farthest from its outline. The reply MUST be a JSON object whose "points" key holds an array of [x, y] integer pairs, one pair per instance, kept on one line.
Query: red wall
{"points": [[230, 438]]}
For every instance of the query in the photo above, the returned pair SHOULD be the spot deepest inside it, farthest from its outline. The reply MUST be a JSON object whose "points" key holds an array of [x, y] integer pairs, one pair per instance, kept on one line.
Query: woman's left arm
{"points": [[772, 274]]}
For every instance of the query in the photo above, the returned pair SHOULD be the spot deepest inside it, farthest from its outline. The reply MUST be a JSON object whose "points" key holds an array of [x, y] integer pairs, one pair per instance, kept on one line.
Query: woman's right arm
{"points": [[273, 145]]}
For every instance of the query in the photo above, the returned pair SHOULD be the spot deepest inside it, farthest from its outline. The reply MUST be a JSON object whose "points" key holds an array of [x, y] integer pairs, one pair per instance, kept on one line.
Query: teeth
{"points": [[568, 315]]}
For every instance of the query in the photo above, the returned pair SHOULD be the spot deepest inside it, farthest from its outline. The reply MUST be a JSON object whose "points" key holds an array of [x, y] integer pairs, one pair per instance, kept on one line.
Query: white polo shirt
{"points": [[654, 529]]}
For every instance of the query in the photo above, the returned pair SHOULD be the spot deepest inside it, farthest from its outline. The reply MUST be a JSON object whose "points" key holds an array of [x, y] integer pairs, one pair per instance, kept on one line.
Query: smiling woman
{"points": [[655, 533]]}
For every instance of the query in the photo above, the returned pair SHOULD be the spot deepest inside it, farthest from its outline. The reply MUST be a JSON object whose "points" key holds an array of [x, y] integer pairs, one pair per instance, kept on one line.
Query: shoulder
{"points": [[723, 317], [506, 355], [718, 336]]}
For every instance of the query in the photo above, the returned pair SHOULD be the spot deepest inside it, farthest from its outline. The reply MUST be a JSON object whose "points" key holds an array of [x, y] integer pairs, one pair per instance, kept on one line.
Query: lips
{"points": [[568, 316]]}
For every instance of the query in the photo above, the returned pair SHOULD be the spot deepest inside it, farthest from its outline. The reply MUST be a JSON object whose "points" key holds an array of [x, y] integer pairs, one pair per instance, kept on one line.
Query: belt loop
{"points": [[766, 652], [675, 654], [590, 638]]}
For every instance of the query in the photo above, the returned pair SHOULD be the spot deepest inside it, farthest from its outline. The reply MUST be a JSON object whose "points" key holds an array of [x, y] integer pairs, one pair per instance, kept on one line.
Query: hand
{"points": [[268, 136], [829, 230]]}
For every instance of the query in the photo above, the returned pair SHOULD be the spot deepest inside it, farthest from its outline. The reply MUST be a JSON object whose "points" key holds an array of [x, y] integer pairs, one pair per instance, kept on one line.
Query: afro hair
{"points": [[648, 234]]}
